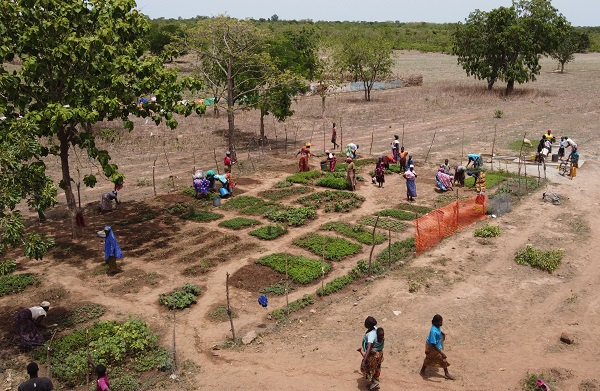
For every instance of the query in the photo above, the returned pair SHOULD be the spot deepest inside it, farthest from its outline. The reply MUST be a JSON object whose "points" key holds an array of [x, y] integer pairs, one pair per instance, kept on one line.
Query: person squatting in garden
{"points": [[372, 352], [434, 345], [27, 324], [331, 160], [112, 251]]}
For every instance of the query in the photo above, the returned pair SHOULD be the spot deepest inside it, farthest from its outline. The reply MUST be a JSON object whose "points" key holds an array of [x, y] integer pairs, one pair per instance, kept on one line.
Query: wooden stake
{"points": [[312, 132], [87, 349], [296, 137], [372, 133], [153, 179], [520, 159], [286, 139], [166, 157], [229, 308], [275, 131], [373, 244], [324, 147], [174, 346], [322, 267], [216, 163], [390, 247], [287, 300], [341, 136], [48, 354], [493, 145], [402, 135], [194, 155], [432, 140]]}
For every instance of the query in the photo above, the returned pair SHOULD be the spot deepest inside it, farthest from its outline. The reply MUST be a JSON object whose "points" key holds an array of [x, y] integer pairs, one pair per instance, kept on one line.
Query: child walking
{"points": [[434, 355]]}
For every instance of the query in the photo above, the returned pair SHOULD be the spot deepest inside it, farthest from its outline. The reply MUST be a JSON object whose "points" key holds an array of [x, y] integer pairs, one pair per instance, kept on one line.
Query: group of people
{"points": [[37, 383], [204, 183], [373, 345]]}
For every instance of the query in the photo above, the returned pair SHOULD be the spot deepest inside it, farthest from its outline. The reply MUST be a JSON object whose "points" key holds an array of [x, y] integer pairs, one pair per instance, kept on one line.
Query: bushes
{"points": [[303, 177], [300, 269], [180, 298], [333, 200], [281, 314], [333, 181], [487, 231], [292, 216], [269, 232], [128, 344], [7, 267], [354, 231], [334, 249], [545, 260], [238, 223], [397, 214], [400, 251], [335, 285], [249, 205], [15, 283], [276, 195], [391, 224]]}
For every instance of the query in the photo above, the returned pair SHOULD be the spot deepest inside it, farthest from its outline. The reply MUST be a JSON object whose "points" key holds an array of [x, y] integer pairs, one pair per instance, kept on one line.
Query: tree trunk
{"points": [[491, 83], [510, 86], [262, 125], [66, 179], [216, 108], [230, 115], [562, 66]]}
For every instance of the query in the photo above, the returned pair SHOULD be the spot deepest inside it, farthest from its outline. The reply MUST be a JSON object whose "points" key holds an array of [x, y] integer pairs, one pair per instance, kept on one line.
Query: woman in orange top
{"points": [[304, 153]]}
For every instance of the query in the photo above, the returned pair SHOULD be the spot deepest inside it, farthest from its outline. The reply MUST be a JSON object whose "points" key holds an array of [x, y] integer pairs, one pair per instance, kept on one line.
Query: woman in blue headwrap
{"points": [[112, 251]]}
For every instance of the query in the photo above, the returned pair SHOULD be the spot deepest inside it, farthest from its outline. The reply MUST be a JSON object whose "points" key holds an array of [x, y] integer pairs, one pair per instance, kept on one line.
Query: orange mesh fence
{"points": [[431, 228]]}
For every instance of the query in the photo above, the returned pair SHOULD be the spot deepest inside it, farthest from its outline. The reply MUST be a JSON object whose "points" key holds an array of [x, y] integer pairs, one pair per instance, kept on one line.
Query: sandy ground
{"points": [[502, 320]]}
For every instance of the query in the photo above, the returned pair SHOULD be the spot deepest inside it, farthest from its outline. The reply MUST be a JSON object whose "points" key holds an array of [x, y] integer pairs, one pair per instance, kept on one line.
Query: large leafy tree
{"points": [[234, 61], [507, 43], [82, 63], [367, 56], [568, 45]]}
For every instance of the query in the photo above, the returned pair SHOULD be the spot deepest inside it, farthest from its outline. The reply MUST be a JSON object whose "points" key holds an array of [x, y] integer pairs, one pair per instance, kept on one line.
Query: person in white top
{"points": [[27, 322]]}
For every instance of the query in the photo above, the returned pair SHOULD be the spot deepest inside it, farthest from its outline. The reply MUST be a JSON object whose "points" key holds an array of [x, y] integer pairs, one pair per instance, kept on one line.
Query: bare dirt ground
{"points": [[502, 320]]}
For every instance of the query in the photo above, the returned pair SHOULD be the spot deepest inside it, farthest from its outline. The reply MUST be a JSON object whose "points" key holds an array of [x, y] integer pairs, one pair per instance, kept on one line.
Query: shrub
{"points": [[334, 249], [250, 205], [303, 177], [333, 200], [292, 216], [545, 260], [180, 298], [391, 224], [362, 268], [498, 113], [276, 195], [357, 232], [281, 314], [238, 223], [15, 283], [7, 267], [277, 289], [487, 231], [333, 182], [269, 232], [300, 269], [397, 214], [189, 191], [529, 383], [335, 285], [400, 251], [117, 344]]}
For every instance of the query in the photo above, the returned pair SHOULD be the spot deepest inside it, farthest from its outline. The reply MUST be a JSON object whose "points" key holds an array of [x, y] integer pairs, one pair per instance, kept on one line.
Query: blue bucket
{"points": [[223, 192], [216, 201]]}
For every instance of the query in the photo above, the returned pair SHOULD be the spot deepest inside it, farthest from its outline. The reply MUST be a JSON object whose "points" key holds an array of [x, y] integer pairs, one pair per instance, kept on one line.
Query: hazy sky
{"points": [[578, 12]]}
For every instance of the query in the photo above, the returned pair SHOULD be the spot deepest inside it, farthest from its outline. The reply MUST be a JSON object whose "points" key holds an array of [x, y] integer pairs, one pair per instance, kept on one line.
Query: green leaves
{"points": [[89, 180]]}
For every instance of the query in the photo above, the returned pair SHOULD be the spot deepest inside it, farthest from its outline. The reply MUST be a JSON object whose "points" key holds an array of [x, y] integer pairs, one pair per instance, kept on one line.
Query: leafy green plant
{"points": [[7, 267], [238, 223], [333, 182], [269, 232], [384, 223], [303, 177], [180, 298], [292, 216], [277, 289], [333, 200], [498, 113], [400, 251], [357, 232], [300, 269], [487, 231], [335, 285], [545, 260], [414, 208], [397, 214], [126, 345], [189, 191], [276, 195], [219, 314], [250, 205], [362, 268], [413, 287], [281, 314], [15, 283], [333, 249], [283, 184]]}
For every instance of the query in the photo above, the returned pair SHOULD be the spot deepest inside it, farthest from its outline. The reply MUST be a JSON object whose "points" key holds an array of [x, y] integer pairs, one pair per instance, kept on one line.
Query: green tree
{"points": [[367, 56], [162, 39], [507, 43], [233, 54], [82, 63], [567, 47]]}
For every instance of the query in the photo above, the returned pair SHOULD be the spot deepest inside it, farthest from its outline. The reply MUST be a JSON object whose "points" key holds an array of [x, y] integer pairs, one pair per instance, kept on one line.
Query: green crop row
{"points": [[333, 200], [292, 216], [335, 285], [300, 269], [303, 177], [333, 249], [238, 223], [269, 232], [15, 283], [399, 252], [357, 232], [397, 214], [276, 195], [545, 260], [384, 223], [294, 306]]}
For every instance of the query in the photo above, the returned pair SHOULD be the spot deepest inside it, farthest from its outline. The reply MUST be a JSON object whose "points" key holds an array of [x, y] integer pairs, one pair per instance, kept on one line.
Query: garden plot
{"points": [[300, 269], [333, 201], [357, 232], [331, 248]]}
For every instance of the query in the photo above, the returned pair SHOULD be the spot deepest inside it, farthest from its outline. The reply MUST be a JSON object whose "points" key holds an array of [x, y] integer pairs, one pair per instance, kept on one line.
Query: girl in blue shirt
{"points": [[434, 356]]}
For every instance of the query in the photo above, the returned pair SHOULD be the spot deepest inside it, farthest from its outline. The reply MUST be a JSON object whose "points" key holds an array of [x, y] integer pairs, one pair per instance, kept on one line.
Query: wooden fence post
{"points": [[373, 244], [229, 314]]}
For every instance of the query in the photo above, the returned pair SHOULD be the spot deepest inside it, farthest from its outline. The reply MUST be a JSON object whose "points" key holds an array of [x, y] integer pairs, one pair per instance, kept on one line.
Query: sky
{"points": [[578, 12]]}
